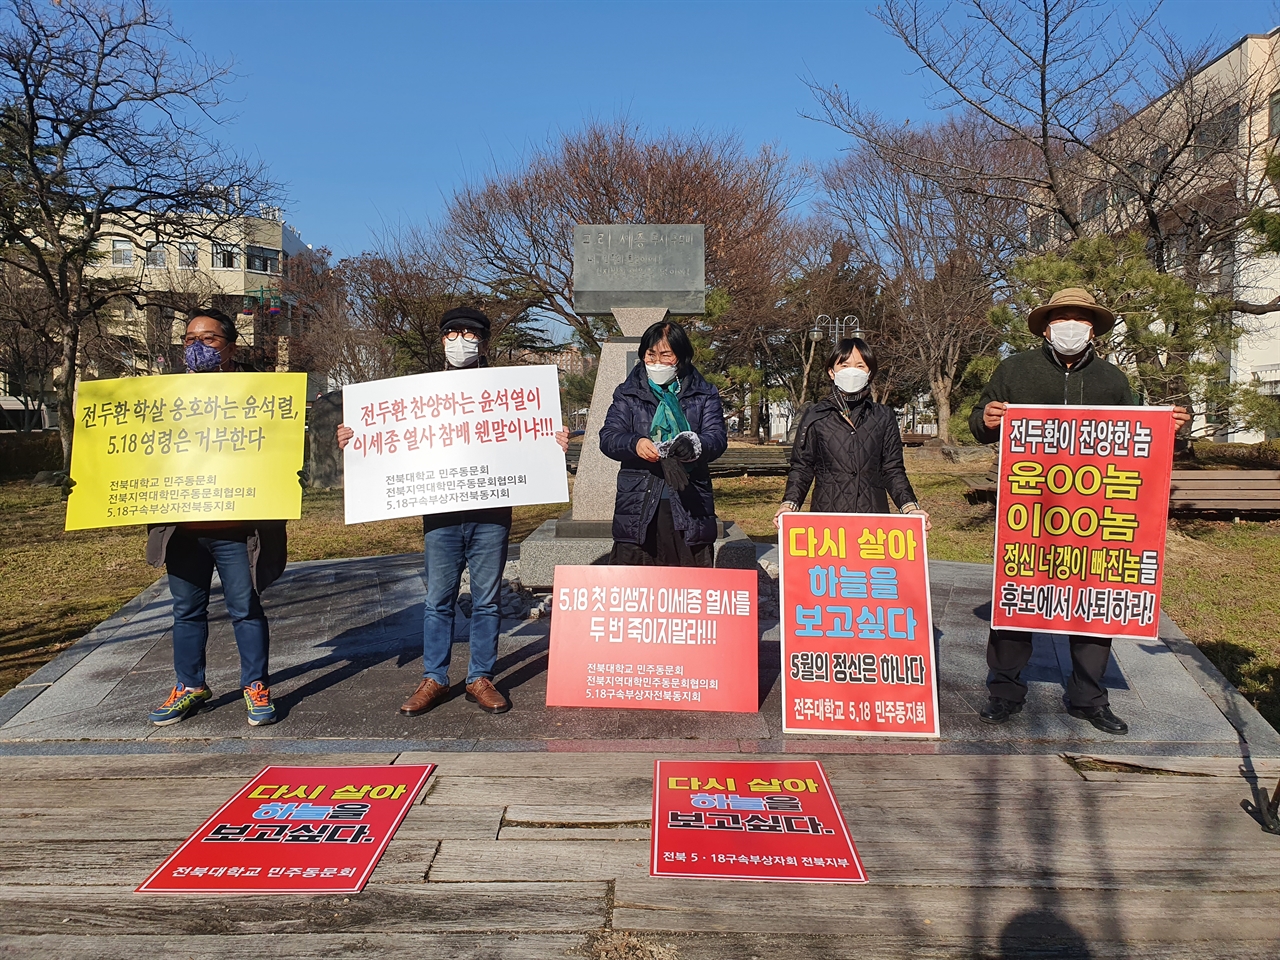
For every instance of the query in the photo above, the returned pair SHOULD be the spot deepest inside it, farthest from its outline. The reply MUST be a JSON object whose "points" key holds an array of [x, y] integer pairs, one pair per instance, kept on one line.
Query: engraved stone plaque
{"points": [[644, 265]]}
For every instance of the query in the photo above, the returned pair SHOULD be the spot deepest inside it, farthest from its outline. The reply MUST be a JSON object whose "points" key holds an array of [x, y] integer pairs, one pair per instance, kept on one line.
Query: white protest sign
{"points": [[457, 440]]}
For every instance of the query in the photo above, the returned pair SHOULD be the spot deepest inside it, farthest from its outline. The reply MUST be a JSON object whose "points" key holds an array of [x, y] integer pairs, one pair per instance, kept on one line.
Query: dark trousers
{"points": [[664, 546], [1009, 651], [190, 561]]}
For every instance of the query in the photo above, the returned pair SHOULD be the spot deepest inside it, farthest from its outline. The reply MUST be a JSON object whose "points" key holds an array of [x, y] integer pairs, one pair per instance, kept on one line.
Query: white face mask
{"points": [[461, 352], [851, 379], [660, 373], [1070, 337]]}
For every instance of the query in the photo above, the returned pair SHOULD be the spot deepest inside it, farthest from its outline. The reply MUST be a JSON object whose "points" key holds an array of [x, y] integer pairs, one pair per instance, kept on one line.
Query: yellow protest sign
{"points": [[207, 446]]}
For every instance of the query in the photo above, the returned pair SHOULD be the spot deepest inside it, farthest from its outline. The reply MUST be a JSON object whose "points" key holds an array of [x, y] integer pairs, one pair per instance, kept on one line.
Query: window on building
{"points": [[1273, 116], [122, 253], [155, 256], [226, 256], [1218, 134], [1039, 231], [189, 256], [263, 260], [1094, 202]]}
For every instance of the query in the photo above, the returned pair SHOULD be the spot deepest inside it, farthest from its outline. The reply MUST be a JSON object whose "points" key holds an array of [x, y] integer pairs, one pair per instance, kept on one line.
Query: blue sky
{"points": [[372, 113]]}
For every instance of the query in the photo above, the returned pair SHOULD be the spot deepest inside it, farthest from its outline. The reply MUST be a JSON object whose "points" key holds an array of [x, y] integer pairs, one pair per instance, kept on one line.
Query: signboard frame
{"points": [[652, 667], [1163, 456], [912, 522], [750, 852], [158, 883]]}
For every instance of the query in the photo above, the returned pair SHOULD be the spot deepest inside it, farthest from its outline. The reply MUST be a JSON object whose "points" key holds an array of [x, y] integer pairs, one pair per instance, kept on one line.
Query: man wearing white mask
{"points": [[476, 539], [1064, 370]]}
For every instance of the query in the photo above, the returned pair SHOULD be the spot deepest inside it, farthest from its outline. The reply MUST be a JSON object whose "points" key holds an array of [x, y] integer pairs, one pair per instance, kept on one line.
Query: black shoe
{"points": [[1102, 718], [998, 710]]}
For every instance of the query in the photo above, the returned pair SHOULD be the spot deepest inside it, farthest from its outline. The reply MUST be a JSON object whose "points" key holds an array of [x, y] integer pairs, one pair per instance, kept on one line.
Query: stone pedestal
{"points": [[324, 460], [597, 479], [544, 549]]}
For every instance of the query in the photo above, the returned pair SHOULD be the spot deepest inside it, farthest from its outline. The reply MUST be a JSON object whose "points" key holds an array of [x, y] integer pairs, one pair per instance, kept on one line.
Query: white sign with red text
{"points": [[457, 440]]}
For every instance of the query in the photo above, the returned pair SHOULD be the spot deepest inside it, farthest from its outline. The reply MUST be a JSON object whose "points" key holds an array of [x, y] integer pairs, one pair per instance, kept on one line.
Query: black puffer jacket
{"points": [[851, 468], [640, 483]]}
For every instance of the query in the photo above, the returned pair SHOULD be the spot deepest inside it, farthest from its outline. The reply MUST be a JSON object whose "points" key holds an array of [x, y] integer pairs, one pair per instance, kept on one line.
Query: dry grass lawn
{"points": [[54, 586]]}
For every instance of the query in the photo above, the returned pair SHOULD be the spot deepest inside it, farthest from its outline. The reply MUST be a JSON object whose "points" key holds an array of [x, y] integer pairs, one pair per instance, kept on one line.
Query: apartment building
{"points": [[1208, 143], [239, 273]]}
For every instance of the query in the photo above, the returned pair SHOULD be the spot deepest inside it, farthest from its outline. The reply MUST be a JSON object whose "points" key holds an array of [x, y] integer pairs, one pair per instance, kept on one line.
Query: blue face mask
{"points": [[202, 358]]}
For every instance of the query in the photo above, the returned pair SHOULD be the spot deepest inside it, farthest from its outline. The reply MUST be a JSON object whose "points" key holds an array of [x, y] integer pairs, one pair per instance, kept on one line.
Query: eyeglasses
{"points": [[461, 334], [668, 358], [209, 340]]}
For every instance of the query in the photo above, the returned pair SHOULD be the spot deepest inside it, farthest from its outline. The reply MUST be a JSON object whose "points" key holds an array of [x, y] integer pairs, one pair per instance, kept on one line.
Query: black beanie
{"points": [[465, 318]]}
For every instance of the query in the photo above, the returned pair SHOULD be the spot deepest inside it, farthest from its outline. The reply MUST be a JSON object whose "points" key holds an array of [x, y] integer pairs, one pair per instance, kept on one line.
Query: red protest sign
{"points": [[731, 820], [857, 625], [295, 830], [654, 638], [1081, 512]]}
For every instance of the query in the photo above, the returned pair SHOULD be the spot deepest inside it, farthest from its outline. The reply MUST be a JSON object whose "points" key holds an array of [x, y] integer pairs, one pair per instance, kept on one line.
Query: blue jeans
{"points": [[190, 560], [482, 549]]}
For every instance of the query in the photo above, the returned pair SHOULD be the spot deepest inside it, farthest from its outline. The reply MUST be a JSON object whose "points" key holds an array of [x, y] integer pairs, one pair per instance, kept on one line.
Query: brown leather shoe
{"points": [[428, 695], [486, 696]]}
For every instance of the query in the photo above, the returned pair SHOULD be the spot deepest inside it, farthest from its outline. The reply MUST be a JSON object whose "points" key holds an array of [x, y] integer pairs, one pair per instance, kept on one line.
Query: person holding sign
{"points": [[665, 424], [848, 447], [1064, 370], [249, 556], [476, 539]]}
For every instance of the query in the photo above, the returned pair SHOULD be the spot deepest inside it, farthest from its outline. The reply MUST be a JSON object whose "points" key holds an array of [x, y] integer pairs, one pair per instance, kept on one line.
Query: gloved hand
{"points": [[676, 476], [682, 449]]}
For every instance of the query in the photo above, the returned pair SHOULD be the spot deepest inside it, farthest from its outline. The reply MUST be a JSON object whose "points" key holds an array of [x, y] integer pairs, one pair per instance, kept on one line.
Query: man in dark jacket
{"points": [[476, 540], [1064, 370], [249, 557]]}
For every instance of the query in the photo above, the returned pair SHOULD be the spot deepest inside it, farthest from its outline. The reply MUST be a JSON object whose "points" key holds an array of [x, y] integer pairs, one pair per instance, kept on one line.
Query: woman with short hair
{"points": [[848, 447], [666, 423]]}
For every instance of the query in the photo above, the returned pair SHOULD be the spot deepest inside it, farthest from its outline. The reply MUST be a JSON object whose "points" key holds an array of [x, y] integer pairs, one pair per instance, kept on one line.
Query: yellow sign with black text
{"points": [[168, 449]]}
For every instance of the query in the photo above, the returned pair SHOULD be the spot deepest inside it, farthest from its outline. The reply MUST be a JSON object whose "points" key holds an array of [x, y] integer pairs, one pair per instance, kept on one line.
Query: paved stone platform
{"points": [[346, 650]]}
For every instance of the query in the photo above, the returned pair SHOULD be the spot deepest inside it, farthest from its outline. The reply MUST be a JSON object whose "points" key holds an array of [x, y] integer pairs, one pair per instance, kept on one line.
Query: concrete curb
{"points": [[30, 688], [1252, 727]]}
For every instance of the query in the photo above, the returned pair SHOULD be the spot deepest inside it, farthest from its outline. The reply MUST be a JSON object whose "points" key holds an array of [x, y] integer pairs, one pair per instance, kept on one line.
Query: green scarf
{"points": [[669, 420]]}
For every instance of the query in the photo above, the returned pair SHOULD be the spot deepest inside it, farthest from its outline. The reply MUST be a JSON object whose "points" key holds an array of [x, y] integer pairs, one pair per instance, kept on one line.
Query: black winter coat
{"points": [[640, 483], [1038, 376], [852, 470]]}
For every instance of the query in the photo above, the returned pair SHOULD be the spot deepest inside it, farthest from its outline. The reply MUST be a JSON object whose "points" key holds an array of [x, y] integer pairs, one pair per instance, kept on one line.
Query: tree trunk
{"points": [[941, 389], [67, 389]]}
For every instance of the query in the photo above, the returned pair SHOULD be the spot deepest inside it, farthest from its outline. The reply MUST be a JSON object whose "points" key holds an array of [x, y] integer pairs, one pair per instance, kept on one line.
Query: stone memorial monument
{"points": [[638, 275]]}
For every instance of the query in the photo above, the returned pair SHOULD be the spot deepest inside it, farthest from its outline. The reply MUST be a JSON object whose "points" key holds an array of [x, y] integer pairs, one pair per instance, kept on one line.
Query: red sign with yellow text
{"points": [[857, 625], [295, 830], [1081, 513], [732, 820], [654, 638]]}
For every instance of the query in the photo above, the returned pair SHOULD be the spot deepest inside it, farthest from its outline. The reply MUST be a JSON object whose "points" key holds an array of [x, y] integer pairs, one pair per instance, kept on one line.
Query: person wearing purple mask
{"points": [[248, 556]]}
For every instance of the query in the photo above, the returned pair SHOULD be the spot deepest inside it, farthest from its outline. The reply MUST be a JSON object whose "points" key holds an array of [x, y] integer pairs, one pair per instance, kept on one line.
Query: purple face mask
{"points": [[202, 358]]}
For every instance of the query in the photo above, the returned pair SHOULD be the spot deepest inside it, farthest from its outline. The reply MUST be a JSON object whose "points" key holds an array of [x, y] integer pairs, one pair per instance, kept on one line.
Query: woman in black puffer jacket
{"points": [[848, 447]]}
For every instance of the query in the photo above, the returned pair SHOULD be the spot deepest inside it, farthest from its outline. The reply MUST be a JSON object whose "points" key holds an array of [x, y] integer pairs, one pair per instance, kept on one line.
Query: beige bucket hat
{"points": [[1103, 319]]}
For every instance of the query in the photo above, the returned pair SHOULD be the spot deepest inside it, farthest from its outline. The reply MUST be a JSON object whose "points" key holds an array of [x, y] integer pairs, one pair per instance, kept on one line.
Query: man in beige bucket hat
{"points": [[1064, 370]]}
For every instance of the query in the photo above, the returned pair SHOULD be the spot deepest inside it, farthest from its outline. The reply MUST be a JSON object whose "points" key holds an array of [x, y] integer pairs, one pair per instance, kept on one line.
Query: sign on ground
{"points": [[1082, 508], [748, 820], [857, 625], [654, 638], [295, 830], [168, 449]]}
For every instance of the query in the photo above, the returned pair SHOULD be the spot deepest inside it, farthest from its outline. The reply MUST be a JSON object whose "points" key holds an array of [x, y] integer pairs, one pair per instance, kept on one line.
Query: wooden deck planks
{"points": [[514, 856]]}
